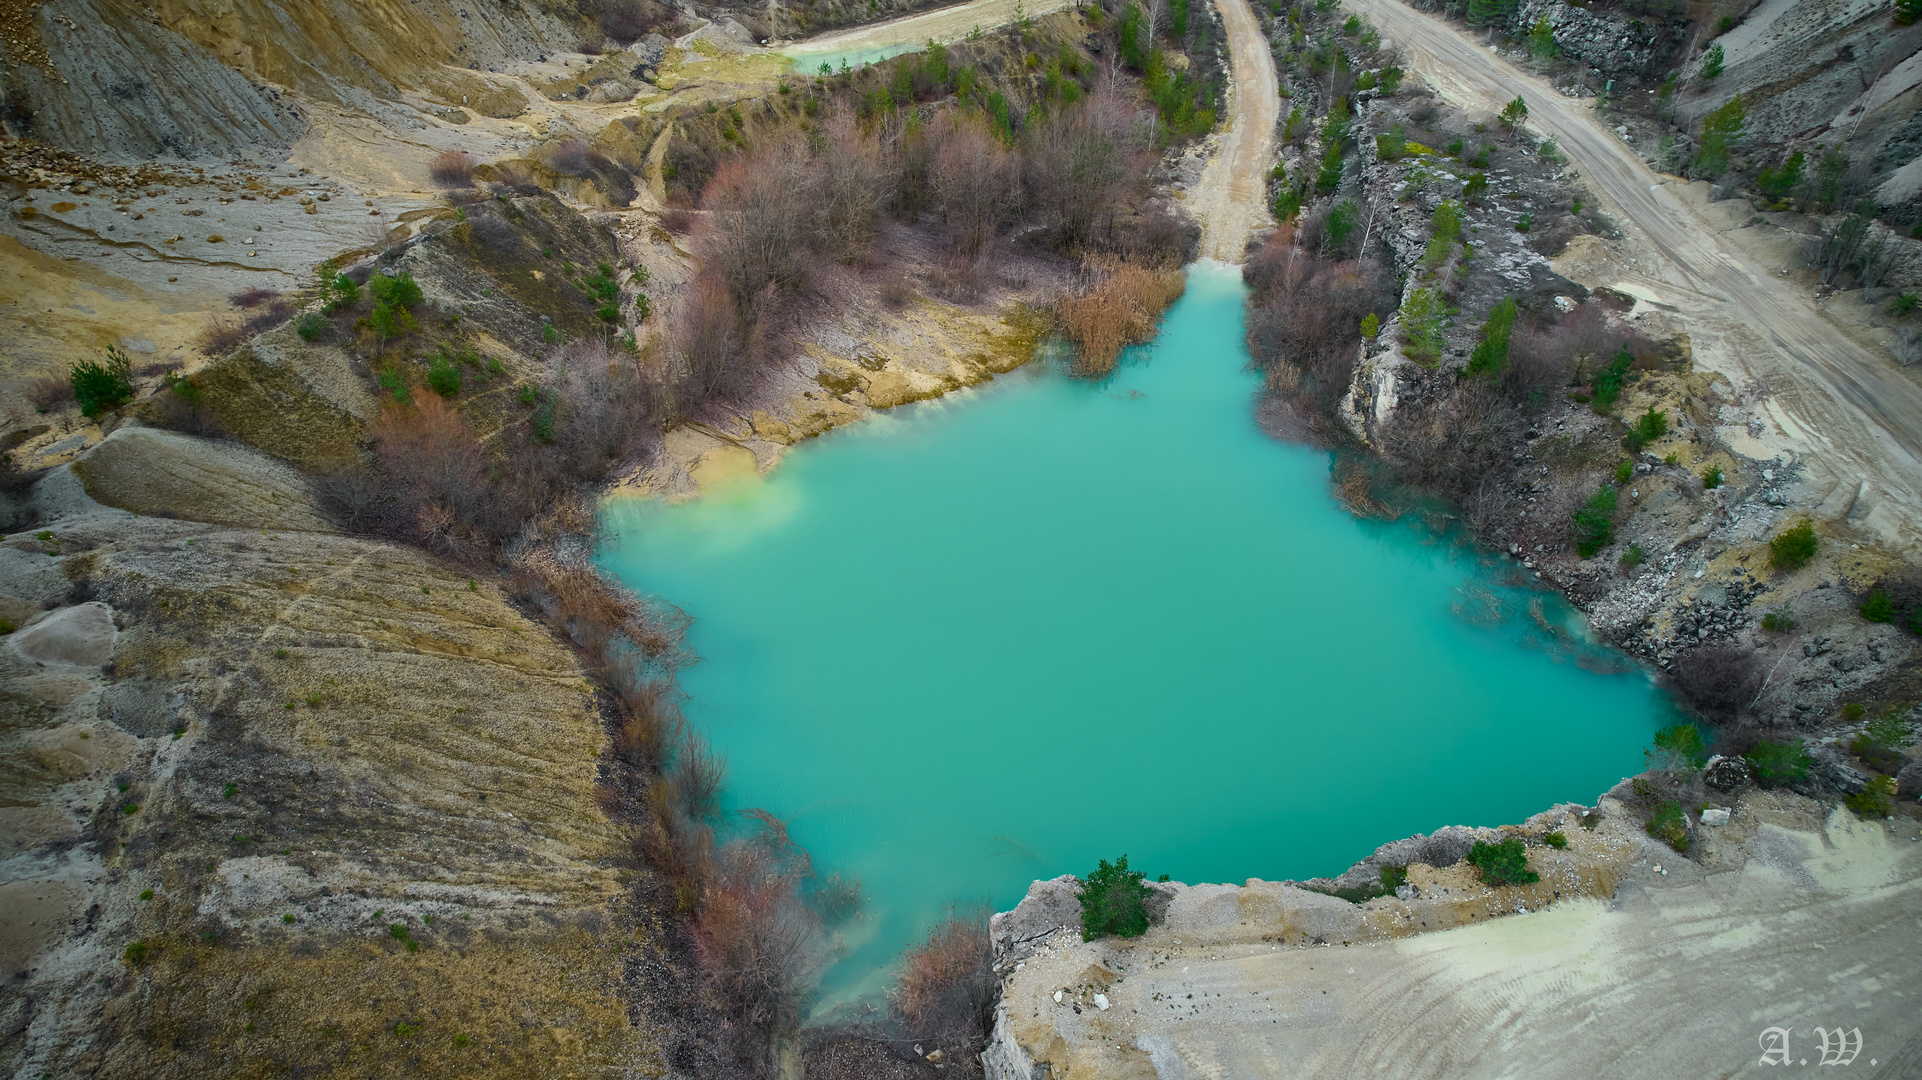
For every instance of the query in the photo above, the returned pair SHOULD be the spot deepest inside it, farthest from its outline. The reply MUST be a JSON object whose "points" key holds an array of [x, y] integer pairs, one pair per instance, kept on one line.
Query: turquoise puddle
{"points": [[998, 637]]}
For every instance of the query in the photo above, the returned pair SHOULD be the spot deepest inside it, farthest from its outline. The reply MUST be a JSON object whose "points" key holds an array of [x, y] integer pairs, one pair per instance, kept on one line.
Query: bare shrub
{"points": [[1458, 447], [754, 940], [254, 297], [679, 220], [754, 230], [49, 392], [856, 181], [896, 293], [220, 335], [970, 180], [1717, 681], [945, 991], [276, 312], [588, 46], [1079, 164], [569, 157], [714, 362], [1309, 313], [452, 169], [1120, 308], [436, 471]]}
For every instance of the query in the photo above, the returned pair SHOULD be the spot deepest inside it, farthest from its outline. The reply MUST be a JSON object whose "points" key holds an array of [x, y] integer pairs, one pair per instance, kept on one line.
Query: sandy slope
{"points": [[1847, 405], [1229, 200]]}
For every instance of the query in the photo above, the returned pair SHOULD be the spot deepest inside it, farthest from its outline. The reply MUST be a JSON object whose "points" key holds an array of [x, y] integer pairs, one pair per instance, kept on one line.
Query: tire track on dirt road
{"points": [[1852, 406], [1230, 201]]}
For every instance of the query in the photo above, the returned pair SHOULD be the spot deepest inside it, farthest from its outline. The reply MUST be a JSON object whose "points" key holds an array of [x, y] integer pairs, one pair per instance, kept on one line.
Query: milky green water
{"points": [[997, 637], [808, 63]]}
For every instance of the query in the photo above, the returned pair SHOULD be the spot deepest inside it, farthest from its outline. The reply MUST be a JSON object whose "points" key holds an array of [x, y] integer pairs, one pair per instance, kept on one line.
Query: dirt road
{"points": [[1847, 406], [946, 24], [1229, 202]]}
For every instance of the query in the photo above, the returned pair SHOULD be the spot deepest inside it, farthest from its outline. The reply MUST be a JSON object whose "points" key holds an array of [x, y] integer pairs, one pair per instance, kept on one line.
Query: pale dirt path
{"points": [[947, 24], [1229, 201], [1849, 405]]}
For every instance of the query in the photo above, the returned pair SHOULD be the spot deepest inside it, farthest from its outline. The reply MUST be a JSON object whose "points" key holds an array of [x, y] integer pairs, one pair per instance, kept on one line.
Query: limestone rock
{"points": [[80, 635], [1724, 773], [150, 471]]}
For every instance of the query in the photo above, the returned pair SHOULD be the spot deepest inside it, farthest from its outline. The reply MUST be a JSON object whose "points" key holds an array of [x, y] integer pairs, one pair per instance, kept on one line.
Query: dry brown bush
{"points": [[970, 180], [1119, 309], [49, 392], [254, 297], [220, 335], [1718, 681], [1080, 165], [856, 181], [452, 169], [569, 157], [945, 991], [756, 943], [755, 230], [1309, 313]]}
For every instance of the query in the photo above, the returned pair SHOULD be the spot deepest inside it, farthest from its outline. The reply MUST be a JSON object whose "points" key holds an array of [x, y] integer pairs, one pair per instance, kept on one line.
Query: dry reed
{"points": [[1118, 310]]}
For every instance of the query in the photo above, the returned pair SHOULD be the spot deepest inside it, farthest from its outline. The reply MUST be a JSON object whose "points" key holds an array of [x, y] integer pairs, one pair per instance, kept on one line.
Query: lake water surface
{"points": [[997, 637]]}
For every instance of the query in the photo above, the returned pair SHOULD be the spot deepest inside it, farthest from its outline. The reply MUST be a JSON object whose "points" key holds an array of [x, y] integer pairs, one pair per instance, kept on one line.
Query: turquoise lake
{"points": [[1000, 636]]}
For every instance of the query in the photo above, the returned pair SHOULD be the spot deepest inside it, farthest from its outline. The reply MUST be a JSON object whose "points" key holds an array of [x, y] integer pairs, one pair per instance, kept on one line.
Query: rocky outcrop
{"points": [[1611, 43], [163, 473]]}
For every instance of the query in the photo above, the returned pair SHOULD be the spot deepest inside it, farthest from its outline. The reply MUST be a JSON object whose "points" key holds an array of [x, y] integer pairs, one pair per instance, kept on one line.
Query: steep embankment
{"points": [[1862, 418], [279, 798]]}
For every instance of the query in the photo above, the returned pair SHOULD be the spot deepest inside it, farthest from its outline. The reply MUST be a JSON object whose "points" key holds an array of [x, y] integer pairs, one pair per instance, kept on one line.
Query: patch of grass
{"points": [[130, 809], [1712, 478], [1591, 820], [405, 1030], [1114, 902], [135, 954], [229, 791], [146, 894], [1624, 472], [1557, 840], [1779, 621], [1779, 764], [313, 700], [287, 918], [1634, 556], [1505, 863], [1669, 826], [310, 326], [1793, 547]]}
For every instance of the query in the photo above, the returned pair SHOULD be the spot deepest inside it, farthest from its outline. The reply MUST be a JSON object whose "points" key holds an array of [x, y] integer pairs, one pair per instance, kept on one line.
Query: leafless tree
{"points": [[972, 179]]}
